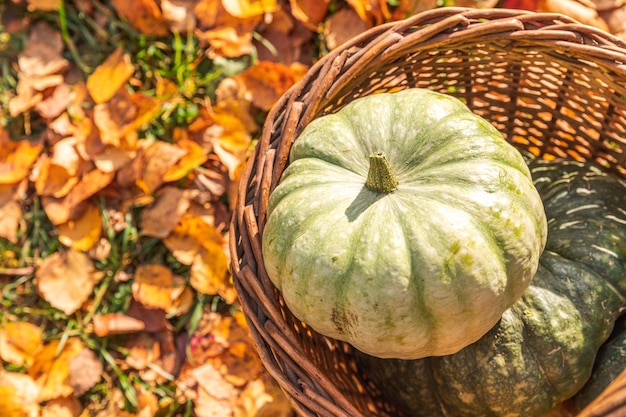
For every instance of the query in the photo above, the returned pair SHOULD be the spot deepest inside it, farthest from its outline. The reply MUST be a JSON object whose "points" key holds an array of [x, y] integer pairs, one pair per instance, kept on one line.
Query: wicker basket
{"points": [[552, 86]]}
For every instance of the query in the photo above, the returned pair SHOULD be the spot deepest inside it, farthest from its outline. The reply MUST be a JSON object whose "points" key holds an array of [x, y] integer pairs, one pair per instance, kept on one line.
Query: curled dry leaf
{"points": [[311, 12], [144, 15], [111, 75], [116, 323], [51, 368], [20, 342], [193, 158], [83, 233], [66, 280], [19, 395], [159, 219]]}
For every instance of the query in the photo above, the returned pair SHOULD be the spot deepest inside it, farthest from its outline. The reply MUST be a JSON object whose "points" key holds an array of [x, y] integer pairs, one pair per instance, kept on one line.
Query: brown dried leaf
{"points": [[155, 286], [189, 236], [10, 218], [40, 59], [311, 12], [66, 280], [20, 342], [85, 371], [159, 158], [51, 368], [52, 106], [179, 14], [144, 15], [194, 157], [342, 26], [112, 74], [83, 233], [159, 219], [53, 180], [290, 39], [112, 117]]}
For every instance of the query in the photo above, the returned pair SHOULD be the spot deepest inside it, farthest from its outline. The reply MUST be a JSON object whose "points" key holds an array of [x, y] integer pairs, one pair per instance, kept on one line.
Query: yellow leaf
{"points": [[144, 15], [153, 286], [18, 395], [244, 9], [194, 157], [53, 180], [267, 81], [66, 280], [110, 76], [83, 233], [209, 273], [16, 158], [51, 369], [189, 236], [19, 342]]}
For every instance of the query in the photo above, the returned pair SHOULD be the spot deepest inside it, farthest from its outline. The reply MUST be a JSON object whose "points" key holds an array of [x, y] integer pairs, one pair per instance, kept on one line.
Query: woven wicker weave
{"points": [[552, 86]]}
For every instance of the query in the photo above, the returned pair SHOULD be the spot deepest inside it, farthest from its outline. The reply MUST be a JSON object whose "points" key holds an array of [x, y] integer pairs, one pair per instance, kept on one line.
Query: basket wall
{"points": [[553, 87]]}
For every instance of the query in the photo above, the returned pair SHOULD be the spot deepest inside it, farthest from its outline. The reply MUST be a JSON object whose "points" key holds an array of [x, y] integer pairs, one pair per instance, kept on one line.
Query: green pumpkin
{"points": [[404, 224], [542, 350]]}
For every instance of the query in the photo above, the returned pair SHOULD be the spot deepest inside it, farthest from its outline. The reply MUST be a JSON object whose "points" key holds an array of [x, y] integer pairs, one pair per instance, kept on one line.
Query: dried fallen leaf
{"points": [[263, 397], [267, 81], [159, 158], [342, 26], [66, 280], [574, 9], [286, 39], [84, 232], [18, 395], [20, 342], [11, 210], [62, 407], [111, 75], [113, 116], [189, 236], [51, 368], [194, 157], [16, 158], [244, 9], [372, 12], [53, 180], [159, 219], [216, 396], [311, 12], [209, 273], [52, 106], [85, 371], [44, 5], [115, 323], [144, 15], [155, 286]]}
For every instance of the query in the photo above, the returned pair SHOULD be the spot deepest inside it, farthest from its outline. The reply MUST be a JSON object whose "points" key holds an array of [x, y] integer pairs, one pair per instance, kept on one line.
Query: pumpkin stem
{"points": [[380, 177]]}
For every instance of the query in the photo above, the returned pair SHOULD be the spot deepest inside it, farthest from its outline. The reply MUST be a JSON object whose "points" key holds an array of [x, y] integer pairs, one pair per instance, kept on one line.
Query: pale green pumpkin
{"points": [[418, 256]]}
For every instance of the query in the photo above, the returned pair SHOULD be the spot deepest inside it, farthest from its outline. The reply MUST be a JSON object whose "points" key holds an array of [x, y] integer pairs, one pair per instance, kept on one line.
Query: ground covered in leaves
{"points": [[124, 126]]}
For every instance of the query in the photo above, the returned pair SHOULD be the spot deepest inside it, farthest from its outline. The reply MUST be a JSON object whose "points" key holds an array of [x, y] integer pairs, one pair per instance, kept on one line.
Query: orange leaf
{"points": [[11, 209], [144, 15], [112, 118], [18, 395], [44, 5], [189, 236], [311, 12], [160, 219], [194, 157], [111, 75], [19, 342], [51, 368], [373, 12], [155, 286], [209, 273], [244, 9], [66, 280], [267, 81], [84, 232], [53, 180], [16, 158], [116, 323]]}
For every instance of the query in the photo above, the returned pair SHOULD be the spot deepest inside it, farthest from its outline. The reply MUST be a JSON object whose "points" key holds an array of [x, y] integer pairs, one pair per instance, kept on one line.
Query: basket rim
{"points": [[307, 388]]}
